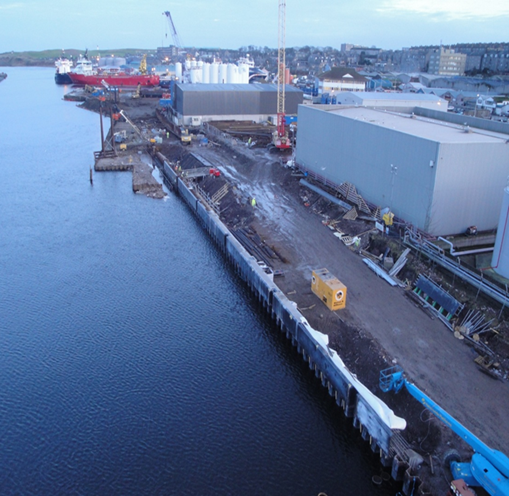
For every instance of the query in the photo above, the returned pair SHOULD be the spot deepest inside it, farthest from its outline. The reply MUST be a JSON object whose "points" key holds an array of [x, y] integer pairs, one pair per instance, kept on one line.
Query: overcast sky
{"points": [[110, 24]]}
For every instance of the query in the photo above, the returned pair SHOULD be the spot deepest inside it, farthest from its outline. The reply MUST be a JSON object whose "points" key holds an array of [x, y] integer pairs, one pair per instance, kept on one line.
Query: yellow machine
{"points": [[329, 289], [185, 137], [143, 65]]}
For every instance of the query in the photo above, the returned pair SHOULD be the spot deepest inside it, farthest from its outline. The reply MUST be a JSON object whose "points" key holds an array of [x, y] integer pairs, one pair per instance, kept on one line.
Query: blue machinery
{"points": [[488, 468]]}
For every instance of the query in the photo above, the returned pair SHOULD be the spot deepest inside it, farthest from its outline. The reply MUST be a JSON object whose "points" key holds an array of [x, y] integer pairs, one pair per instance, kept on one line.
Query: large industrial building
{"points": [[438, 176], [401, 102], [197, 103]]}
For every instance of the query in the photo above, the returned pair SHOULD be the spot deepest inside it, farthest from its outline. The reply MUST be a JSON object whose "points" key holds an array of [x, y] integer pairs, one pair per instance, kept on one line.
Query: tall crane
{"points": [[173, 30], [280, 138]]}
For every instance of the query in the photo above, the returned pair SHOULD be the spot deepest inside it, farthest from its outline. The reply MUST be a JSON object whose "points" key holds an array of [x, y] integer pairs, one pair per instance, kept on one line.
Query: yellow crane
{"points": [[143, 65]]}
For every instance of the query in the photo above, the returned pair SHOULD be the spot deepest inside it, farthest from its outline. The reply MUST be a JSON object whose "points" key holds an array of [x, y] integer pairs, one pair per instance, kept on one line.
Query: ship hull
{"points": [[62, 78], [120, 80]]}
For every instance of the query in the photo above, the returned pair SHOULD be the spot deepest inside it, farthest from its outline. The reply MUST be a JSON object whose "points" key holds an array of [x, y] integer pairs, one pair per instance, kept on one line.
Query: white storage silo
{"points": [[232, 74], [193, 63], [214, 73], [205, 73], [178, 71], [243, 73], [223, 73], [196, 74], [500, 260]]}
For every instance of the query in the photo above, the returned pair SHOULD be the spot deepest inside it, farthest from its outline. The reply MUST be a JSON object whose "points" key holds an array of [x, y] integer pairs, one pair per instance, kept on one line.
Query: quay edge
{"points": [[377, 423]]}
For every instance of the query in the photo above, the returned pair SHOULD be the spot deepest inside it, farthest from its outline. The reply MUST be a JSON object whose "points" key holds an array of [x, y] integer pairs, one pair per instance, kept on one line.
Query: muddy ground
{"points": [[380, 325]]}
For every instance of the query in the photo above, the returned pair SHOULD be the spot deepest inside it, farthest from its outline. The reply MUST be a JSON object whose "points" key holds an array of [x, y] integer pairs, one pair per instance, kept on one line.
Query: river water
{"points": [[133, 362]]}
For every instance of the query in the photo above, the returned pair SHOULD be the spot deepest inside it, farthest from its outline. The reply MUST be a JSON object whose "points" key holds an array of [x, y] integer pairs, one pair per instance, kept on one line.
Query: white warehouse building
{"points": [[400, 102], [438, 176]]}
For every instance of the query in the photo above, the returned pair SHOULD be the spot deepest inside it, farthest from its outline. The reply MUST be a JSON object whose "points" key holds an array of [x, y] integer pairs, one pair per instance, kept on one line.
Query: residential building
{"points": [[447, 62], [340, 79]]}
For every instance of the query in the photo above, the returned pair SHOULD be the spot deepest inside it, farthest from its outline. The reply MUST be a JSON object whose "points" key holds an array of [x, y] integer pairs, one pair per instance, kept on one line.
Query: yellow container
{"points": [[123, 146], [329, 289]]}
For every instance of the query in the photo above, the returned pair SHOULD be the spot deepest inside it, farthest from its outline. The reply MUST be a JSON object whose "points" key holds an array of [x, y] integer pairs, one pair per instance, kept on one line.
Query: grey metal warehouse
{"points": [[196, 103], [439, 176]]}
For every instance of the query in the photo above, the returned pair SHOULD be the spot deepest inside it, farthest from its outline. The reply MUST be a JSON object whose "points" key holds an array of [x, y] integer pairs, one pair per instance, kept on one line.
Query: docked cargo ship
{"points": [[63, 67], [121, 79], [114, 76]]}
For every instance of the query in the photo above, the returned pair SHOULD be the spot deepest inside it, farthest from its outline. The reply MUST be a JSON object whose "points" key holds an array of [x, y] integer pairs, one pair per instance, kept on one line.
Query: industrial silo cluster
{"points": [[202, 72]]}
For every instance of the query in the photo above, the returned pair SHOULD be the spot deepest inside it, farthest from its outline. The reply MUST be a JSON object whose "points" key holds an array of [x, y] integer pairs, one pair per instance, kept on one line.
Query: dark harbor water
{"points": [[133, 362]]}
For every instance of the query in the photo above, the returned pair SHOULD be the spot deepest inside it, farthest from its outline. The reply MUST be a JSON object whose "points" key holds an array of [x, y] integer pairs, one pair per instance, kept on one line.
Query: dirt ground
{"points": [[380, 325]]}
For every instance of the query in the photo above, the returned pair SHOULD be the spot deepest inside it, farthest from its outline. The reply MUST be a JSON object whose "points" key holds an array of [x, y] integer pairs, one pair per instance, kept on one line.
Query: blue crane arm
{"points": [[498, 459], [489, 468]]}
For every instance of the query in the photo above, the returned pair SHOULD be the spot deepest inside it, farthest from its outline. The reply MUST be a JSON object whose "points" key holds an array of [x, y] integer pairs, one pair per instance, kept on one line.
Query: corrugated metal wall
{"points": [[470, 181], [343, 149], [243, 100], [440, 188]]}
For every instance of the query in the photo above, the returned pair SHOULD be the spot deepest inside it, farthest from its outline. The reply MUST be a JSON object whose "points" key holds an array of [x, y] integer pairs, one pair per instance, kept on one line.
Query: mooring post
{"points": [[102, 130]]}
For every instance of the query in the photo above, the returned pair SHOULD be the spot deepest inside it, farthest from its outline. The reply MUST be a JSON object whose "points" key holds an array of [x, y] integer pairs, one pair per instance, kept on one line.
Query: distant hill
{"points": [[46, 58]]}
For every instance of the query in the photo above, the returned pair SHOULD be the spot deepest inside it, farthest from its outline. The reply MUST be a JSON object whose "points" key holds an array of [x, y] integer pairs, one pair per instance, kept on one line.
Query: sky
{"points": [[109, 24]]}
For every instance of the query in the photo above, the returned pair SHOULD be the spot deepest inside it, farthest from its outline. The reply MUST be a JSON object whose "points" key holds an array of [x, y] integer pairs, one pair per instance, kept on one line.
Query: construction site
{"points": [[377, 228], [404, 304]]}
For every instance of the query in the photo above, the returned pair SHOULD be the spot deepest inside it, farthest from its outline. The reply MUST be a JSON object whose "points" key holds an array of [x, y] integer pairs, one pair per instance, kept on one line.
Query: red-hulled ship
{"points": [[120, 79], [115, 77]]}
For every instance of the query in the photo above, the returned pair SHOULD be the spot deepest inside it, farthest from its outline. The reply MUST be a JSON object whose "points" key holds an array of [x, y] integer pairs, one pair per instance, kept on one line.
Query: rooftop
{"points": [[340, 73], [366, 96], [422, 127], [221, 87]]}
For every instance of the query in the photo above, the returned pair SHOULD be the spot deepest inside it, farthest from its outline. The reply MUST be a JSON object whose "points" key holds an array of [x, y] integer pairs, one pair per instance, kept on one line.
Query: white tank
{"points": [[178, 71], [232, 74], [196, 74], [205, 73], [243, 73], [500, 260], [223, 73], [188, 65], [193, 63], [214, 73]]}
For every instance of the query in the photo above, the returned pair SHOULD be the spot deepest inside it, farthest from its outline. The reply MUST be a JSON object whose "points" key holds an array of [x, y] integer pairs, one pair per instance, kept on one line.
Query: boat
{"points": [[63, 67], [120, 79], [83, 66], [113, 76]]}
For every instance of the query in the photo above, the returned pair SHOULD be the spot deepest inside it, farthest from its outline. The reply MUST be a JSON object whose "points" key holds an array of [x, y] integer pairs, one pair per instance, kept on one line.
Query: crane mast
{"points": [[173, 30], [281, 139], [281, 62]]}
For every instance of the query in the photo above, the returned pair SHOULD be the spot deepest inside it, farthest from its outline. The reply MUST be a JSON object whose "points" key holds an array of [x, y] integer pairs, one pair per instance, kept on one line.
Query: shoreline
{"points": [[367, 335]]}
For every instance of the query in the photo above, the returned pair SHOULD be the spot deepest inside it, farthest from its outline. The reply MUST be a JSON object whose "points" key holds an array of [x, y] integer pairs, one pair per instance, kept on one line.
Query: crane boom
{"points": [[489, 468], [280, 136], [281, 58], [174, 34]]}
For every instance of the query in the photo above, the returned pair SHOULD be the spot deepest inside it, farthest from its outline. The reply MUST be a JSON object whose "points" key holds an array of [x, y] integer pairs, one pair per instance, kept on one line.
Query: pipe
{"points": [[435, 253], [501, 243], [455, 253]]}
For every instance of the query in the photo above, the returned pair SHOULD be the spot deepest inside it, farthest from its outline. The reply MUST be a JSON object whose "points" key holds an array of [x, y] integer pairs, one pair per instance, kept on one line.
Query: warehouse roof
{"points": [[337, 73], [367, 96], [221, 87], [422, 127]]}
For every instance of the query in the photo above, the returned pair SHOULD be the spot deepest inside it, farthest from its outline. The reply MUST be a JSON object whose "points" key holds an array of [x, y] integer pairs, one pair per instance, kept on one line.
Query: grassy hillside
{"points": [[48, 57]]}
